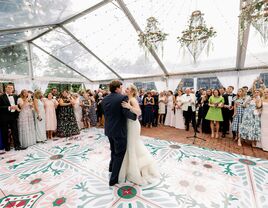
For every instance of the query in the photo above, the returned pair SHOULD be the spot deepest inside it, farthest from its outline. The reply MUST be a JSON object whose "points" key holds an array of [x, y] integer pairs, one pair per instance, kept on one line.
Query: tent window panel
{"points": [[145, 85], [208, 83]]}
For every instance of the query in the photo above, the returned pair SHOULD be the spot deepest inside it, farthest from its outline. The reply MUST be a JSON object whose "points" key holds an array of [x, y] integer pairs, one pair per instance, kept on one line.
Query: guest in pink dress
{"points": [[51, 119]]}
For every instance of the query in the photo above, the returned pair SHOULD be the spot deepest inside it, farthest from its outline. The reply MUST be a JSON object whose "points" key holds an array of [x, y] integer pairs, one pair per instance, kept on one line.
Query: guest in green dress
{"points": [[214, 113]]}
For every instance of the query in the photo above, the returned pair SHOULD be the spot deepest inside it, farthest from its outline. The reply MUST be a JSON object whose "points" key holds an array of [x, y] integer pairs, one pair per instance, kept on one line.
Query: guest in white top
{"points": [[264, 120], [188, 108], [179, 122], [162, 101], [169, 121]]}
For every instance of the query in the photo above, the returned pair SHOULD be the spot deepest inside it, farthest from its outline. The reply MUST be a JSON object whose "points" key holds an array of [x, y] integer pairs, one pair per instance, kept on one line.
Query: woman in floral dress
{"points": [[66, 122], [250, 128], [26, 120], [86, 104], [239, 108], [93, 110]]}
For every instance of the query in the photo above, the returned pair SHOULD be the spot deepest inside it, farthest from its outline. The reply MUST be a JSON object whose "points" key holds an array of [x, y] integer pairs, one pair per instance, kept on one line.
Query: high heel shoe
{"points": [[217, 136], [212, 135]]}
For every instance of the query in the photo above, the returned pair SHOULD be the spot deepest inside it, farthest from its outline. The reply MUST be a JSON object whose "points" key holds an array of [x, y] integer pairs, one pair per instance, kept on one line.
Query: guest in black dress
{"points": [[66, 121], [204, 109], [148, 110]]}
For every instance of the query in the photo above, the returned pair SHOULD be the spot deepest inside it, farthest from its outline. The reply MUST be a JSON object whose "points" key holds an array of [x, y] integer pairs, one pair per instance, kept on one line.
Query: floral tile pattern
{"points": [[73, 172]]}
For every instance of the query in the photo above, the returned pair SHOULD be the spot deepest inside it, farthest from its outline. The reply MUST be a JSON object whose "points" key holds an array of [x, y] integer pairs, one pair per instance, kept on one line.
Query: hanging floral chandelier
{"points": [[152, 37], [254, 12], [197, 35]]}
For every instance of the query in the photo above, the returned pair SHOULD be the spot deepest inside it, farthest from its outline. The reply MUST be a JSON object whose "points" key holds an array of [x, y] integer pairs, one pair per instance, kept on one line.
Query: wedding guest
{"points": [[204, 107], [264, 121], [66, 122], [239, 108], [148, 110], [100, 110], [155, 108], [214, 113], [188, 108], [50, 110], [86, 103], [250, 128], [169, 121], [9, 112], [40, 117], [26, 124], [78, 110], [162, 108], [92, 110], [228, 110], [179, 122]]}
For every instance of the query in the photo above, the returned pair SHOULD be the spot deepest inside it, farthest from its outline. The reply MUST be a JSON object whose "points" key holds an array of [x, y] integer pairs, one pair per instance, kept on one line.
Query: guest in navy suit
{"points": [[116, 127]]}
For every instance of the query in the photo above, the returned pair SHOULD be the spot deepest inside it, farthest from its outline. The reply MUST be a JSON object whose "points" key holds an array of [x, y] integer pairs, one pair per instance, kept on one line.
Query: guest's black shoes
{"points": [[20, 148], [7, 149], [112, 183]]}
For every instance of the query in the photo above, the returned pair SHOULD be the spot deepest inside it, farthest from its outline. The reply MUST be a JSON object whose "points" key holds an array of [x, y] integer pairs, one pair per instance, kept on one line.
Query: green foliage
{"points": [[14, 59], [60, 87]]}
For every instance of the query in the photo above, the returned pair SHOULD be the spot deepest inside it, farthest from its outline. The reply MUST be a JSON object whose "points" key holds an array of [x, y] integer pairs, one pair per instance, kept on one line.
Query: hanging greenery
{"points": [[197, 35], [152, 37], [254, 12]]}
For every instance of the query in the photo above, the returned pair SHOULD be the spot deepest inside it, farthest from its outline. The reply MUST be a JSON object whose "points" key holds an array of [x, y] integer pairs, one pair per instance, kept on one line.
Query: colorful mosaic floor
{"points": [[73, 173]]}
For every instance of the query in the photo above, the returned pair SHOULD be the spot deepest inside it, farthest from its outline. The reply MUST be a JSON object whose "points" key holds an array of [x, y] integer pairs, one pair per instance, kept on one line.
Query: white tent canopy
{"points": [[95, 41]]}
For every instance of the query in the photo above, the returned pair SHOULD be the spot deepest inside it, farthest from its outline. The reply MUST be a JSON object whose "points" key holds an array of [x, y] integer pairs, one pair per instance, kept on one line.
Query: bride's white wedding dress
{"points": [[138, 165]]}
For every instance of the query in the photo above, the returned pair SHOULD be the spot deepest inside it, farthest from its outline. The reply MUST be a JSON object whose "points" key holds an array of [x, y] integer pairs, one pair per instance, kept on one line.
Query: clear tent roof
{"points": [[96, 39]]}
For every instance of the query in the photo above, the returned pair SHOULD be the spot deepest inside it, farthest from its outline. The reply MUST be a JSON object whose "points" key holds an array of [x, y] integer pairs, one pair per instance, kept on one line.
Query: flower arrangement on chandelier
{"points": [[197, 35], [254, 12], [152, 37]]}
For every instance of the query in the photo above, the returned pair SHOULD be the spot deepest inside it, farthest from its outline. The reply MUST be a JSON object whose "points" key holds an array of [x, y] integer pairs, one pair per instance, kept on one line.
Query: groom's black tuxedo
{"points": [[116, 130]]}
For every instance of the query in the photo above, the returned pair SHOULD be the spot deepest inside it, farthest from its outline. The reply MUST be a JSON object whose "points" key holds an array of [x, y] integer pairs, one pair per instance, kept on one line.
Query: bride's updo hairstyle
{"points": [[133, 90]]}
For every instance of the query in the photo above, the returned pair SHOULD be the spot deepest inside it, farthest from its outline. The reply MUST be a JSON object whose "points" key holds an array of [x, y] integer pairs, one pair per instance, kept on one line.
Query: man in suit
{"points": [[9, 112], [228, 110], [116, 127], [188, 108]]}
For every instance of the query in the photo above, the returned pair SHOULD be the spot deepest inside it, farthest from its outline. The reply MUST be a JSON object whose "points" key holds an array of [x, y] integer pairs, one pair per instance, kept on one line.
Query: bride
{"points": [[138, 165]]}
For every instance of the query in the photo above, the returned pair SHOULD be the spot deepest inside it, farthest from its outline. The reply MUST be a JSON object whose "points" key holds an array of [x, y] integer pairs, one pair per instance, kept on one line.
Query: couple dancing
{"points": [[130, 159]]}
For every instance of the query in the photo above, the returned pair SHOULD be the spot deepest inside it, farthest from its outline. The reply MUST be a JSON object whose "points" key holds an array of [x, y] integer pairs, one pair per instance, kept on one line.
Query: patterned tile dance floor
{"points": [[73, 173]]}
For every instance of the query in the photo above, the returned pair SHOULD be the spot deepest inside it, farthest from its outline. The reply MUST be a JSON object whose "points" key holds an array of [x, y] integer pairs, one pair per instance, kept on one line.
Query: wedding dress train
{"points": [[138, 165]]}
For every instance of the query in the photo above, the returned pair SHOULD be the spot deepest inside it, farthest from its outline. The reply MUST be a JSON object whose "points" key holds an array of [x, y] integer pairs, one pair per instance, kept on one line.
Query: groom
{"points": [[116, 127]]}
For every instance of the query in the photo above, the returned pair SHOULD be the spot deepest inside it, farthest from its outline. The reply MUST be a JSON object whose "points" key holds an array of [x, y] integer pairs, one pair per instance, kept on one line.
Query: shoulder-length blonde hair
{"points": [[37, 94], [133, 90]]}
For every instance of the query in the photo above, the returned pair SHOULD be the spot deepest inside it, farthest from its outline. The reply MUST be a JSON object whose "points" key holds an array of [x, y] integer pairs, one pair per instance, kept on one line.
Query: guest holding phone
{"points": [[214, 113], [40, 117]]}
